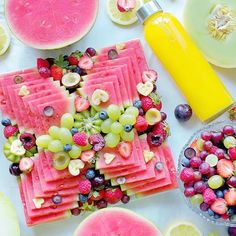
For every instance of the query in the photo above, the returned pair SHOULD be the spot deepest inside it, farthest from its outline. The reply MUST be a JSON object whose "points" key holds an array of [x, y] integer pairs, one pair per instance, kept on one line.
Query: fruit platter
{"points": [[112, 120]]}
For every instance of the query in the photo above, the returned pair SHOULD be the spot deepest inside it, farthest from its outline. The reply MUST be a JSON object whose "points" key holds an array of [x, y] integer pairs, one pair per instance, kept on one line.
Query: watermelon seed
{"points": [[18, 79], [48, 111], [159, 166], [112, 54]]}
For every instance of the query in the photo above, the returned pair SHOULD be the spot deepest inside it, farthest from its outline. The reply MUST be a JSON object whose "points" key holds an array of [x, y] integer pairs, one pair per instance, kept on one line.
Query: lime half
{"points": [[4, 39]]}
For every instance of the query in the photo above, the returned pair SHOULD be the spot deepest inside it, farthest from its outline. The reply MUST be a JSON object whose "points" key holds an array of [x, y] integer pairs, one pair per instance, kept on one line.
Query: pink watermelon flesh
{"points": [[88, 90], [49, 28], [116, 221], [13, 73], [41, 219], [121, 82], [118, 62], [96, 79]]}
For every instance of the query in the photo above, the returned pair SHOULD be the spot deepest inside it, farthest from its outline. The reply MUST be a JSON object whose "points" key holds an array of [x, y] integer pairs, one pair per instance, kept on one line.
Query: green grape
{"points": [[78, 117], [112, 140], [55, 146], [65, 136], [43, 141], [127, 119], [67, 121], [87, 147], [116, 128], [54, 132], [61, 160], [132, 111], [78, 125], [75, 152], [215, 181], [113, 112], [106, 126], [229, 142], [86, 114], [127, 136], [196, 199]]}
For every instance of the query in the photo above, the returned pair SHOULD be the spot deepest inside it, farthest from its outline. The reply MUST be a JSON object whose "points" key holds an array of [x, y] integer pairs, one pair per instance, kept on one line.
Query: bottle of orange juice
{"points": [[169, 41]]}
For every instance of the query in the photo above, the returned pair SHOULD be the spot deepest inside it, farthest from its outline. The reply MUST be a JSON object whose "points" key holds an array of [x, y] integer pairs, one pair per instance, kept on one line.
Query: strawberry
{"points": [[232, 153], [26, 164], [81, 104], [141, 124], [113, 196], [125, 149], [225, 168], [56, 72], [73, 60], [96, 196], [81, 139], [149, 75], [42, 63], [209, 196], [161, 128], [86, 62], [84, 186], [87, 156], [151, 101], [219, 206], [230, 197], [10, 131]]}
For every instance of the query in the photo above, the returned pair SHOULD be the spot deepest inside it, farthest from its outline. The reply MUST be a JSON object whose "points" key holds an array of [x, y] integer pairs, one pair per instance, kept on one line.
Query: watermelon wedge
{"points": [[50, 29]]}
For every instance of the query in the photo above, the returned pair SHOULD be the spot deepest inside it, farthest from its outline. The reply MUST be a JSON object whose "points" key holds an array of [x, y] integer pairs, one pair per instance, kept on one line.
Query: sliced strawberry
{"points": [[73, 60], [149, 75], [86, 62], [230, 197], [225, 168], [126, 5], [81, 104], [87, 156], [141, 124], [125, 149], [96, 196], [219, 206], [56, 72], [42, 63]]}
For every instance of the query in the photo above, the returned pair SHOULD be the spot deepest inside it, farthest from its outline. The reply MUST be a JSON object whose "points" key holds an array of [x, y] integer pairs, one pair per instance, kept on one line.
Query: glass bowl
{"points": [[212, 127]]}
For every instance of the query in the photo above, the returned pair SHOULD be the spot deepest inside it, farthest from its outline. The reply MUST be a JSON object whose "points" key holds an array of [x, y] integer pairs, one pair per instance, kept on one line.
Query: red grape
{"points": [[204, 168]]}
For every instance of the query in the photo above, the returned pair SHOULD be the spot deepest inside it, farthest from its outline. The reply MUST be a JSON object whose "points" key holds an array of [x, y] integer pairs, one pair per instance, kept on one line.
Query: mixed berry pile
{"points": [[208, 173], [76, 143]]}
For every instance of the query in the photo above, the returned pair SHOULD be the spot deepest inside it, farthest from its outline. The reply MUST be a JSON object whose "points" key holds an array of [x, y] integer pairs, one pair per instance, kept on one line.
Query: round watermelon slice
{"points": [[116, 221], [50, 24]]}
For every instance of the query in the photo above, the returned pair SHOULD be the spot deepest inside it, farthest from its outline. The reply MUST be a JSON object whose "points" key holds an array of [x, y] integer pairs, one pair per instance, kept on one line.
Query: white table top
{"points": [[163, 209]]}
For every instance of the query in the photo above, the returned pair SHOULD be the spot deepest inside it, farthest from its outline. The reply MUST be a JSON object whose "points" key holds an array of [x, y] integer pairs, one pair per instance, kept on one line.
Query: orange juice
{"points": [[200, 85]]}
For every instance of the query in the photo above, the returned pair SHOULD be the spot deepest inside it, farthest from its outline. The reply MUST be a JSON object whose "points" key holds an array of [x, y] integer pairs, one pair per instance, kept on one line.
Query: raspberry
{"points": [[187, 175], [84, 186], [80, 139], [141, 124], [147, 103], [10, 131], [113, 196], [97, 141], [161, 129], [209, 196]]}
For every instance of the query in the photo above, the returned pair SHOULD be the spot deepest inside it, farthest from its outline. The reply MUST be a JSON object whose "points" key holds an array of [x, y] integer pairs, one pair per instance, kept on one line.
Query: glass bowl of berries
{"points": [[207, 173]]}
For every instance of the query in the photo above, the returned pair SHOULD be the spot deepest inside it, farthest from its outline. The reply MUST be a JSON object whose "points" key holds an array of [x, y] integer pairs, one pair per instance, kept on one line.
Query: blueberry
{"points": [[137, 103], [224, 191], [210, 212], [6, 122], [51, 61], [183, 112], [128, 128], [57, 199], [67, 147], [90, 174], [83, 197], [219, 194], [185, 162], [66, 57], [103, 115], [231, 211], [216, 216], [74, 131], [79, 71]]}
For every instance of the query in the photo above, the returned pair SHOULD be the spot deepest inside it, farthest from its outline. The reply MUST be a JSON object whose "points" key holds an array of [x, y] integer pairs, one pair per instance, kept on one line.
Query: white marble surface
{"points": [[163, 209]]}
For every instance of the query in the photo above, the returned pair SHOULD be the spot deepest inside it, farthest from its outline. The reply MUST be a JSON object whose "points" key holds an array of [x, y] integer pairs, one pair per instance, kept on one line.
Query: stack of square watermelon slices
{"points": [[50, 122]]}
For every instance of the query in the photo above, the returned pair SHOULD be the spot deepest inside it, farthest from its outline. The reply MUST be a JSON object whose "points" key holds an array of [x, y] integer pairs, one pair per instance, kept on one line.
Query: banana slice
{"points": [[148, 155], [71, 80], [145, 88], [99, 96], [75, 166], [17, 148]]}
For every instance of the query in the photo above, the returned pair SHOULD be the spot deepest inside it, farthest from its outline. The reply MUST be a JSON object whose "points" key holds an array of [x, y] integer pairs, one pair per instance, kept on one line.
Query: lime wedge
{"points": [[4, 39]]}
